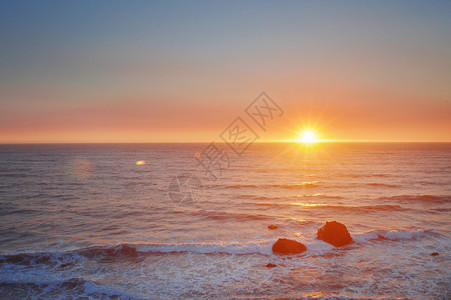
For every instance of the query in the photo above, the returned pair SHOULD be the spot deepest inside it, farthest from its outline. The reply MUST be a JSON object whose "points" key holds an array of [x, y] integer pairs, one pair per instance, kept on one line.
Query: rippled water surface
{"points": [[87, 220]]}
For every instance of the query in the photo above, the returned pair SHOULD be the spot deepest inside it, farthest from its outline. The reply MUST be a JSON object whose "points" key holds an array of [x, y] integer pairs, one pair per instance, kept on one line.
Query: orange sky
{"points": [[182, 73]]}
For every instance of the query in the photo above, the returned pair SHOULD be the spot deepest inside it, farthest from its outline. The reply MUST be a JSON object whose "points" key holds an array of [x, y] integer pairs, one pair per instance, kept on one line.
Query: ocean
{"points": [[160, 221]]}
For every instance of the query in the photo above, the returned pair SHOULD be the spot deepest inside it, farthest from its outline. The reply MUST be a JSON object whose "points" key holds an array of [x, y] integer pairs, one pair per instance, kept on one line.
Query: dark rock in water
{"points": [[335, 234], [434, 254], [66, 265], [270, 265], [285, 246], [272, 227]]}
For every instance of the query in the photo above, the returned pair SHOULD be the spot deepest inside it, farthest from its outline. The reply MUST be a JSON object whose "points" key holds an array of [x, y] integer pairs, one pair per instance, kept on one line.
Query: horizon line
{"points": [[222, 142]]}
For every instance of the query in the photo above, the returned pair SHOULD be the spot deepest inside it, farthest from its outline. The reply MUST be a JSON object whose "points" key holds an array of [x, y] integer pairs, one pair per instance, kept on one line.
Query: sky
{"points": [[182, 71]]}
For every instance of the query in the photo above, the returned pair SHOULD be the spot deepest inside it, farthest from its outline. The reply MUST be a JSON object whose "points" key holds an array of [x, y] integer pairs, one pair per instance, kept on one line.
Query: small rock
{"points": [[66, 265], [335, 234], [272, 227], [270, 265], [434, 254], [286, 246]]}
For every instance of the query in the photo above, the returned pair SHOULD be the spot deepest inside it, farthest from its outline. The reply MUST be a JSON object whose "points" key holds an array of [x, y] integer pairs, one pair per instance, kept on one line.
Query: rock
{"points": [[66, 265], [272, 227], [335, 234], [270, 265], [434, 254], [286, 246]]}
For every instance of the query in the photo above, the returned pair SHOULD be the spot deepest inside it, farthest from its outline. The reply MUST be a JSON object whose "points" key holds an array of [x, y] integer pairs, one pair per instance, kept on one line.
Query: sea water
{"points": [[87, 220]]}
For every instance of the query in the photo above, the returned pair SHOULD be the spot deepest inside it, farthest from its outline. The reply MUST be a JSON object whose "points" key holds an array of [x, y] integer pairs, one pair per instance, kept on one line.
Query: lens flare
{"points": [[140, 162]]}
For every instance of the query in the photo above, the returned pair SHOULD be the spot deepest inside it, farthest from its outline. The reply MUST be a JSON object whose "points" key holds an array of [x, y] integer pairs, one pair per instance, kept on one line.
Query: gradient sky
{"points": [[159, 71]]}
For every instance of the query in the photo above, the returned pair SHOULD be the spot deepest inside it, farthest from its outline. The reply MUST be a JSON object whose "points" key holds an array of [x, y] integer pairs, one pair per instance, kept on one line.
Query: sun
{"points": [[307, 137]]}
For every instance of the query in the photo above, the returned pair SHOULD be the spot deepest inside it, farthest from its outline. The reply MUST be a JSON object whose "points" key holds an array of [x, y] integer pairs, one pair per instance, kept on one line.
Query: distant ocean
{"points": [[87, 220]]}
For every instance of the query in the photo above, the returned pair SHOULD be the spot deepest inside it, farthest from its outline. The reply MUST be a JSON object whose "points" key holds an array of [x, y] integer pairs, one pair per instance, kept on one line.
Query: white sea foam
{"points": [[261, 247]]}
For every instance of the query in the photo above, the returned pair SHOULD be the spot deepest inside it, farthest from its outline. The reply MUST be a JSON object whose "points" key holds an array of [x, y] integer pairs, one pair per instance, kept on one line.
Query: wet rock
{"points": [[272, 227], [66, 265], [270, 265], [286, 246], [335, 234]]}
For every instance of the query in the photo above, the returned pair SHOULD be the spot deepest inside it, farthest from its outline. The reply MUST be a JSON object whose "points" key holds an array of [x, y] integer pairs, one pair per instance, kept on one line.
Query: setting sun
{"points": [[307, 137]]}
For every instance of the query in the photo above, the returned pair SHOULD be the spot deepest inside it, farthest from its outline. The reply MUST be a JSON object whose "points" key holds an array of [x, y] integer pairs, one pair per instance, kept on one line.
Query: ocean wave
{"points": [[51, 259], [73, 287], [392, 235], [363, 208], [419, 198], [315, 245], [365, 175], [323, 206], [443, 209], [214, 215], [66, 259], [238, 186], [322, 196], [19, 211], [138, 252], [384, 185], [255, 247], [256, 197], [131, 252], [307, 184]]}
